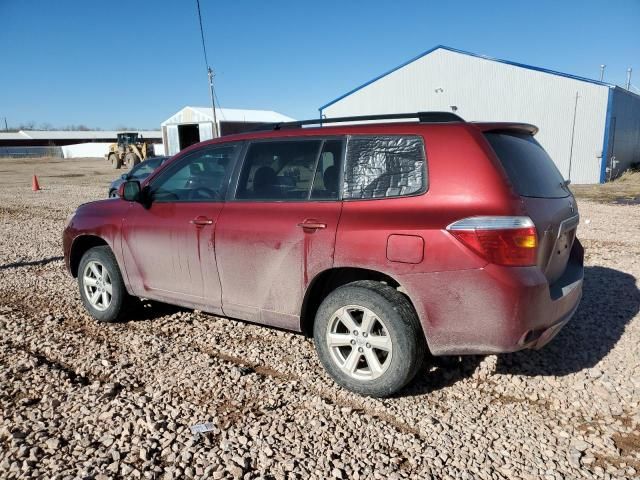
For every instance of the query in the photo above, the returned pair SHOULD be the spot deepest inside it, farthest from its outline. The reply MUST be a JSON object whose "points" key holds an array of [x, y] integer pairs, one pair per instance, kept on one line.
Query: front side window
{"points": [[279, 170], [199, 177], [385, 166]]}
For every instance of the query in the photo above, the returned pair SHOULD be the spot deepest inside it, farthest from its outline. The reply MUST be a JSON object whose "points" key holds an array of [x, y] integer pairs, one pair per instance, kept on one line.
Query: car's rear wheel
{"points": [[368, 338], [113, 193], [101, 287]]}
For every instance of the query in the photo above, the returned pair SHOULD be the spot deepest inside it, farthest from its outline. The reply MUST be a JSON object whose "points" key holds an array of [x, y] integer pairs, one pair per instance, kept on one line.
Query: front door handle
{"points": [[312, 225], [201, 221]]}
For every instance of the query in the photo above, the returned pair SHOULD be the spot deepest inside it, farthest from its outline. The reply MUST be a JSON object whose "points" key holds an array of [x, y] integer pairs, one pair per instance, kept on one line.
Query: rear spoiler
{"points": [[507, 127]]}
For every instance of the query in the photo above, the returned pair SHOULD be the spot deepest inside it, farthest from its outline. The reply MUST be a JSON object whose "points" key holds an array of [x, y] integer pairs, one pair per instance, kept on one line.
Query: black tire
{"points": [[402, 326], [131, 159], [113, 193], [115, 161], [119, 296]]}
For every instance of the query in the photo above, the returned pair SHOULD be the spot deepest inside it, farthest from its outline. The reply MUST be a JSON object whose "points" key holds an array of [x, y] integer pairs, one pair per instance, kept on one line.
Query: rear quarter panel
{"points": [[462, 182]]}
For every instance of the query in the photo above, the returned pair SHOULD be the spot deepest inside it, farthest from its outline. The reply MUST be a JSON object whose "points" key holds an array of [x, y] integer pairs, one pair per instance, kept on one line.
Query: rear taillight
{"points": [[508, 241]]}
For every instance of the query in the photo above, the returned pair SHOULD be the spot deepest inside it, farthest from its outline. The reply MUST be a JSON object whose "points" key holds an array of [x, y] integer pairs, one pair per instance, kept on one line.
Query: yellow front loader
{"points": [[130, 150]]}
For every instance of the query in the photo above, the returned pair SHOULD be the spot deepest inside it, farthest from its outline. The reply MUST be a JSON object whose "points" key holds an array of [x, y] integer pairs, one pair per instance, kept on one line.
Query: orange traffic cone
{"points": [[35, 186]]}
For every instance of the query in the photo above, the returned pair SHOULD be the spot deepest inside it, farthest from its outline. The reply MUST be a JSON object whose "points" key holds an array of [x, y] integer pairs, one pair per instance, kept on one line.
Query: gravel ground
{"points": [[82, 399]]}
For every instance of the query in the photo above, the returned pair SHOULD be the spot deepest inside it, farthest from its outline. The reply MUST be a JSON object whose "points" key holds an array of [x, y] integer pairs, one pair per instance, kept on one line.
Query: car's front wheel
{"points": [[115, 161], [131, 160], [101, 286], [368, 338]]}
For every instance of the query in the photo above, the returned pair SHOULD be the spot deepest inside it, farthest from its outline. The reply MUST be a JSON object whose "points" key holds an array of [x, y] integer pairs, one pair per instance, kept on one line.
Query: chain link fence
{"points": [[30, 152]]}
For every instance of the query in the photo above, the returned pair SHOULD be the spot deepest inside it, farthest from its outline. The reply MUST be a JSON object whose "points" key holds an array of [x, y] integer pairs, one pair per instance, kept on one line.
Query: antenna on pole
{"points": [[210, 75], [602, 67], [629, 70]]}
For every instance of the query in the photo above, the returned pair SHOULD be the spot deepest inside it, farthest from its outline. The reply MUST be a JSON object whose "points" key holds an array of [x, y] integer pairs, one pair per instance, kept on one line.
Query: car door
{"points": [[168, 242], [277, 231]]}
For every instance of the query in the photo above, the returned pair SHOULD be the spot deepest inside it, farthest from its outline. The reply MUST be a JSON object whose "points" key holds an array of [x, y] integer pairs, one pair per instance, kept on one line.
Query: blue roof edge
{"points": [[463, 52], [620, 89]]}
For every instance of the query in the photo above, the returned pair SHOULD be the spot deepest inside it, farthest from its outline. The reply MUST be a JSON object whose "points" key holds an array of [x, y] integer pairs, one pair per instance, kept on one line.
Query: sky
{"points": [[108, 64]]}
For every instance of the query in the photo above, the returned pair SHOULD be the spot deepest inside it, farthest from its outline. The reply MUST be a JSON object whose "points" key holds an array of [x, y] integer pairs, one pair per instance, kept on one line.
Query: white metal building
{"points": [[195, 124], [68, 143], [64, 137], [591, 129]]}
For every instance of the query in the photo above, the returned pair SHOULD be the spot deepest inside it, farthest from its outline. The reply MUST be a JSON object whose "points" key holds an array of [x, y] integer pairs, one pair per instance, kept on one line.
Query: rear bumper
{"points": [[495, 309], [537, 339]]}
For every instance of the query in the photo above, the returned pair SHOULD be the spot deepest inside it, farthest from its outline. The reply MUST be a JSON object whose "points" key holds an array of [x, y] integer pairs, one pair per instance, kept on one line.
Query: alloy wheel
{"points": [[97, 285], [359, 342]]}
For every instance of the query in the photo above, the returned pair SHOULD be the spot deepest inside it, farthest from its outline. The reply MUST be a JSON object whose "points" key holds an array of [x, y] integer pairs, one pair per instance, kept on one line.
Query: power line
{"points": [[209, 73], [204, 47]]}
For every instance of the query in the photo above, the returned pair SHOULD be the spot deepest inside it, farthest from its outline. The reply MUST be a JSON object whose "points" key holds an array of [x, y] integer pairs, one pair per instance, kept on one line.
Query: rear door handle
{"points": [[201, 221], [312, 225]]}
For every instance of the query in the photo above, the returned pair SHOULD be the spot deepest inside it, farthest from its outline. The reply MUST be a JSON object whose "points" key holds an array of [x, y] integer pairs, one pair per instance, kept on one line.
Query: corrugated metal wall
{"points": [[206, 131], [173, 140], [186, 116], [624, 139], [483, 89]]}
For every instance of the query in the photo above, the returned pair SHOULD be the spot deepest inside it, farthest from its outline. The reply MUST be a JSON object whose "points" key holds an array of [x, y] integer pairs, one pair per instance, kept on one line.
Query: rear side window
{"points": [[291, 170], [384, 166], [326, 183], [529, 168], [279, 170]]}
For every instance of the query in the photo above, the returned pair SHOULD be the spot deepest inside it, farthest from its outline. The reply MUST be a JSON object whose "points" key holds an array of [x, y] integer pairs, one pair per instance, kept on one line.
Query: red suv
{"points": [[382, 240]]}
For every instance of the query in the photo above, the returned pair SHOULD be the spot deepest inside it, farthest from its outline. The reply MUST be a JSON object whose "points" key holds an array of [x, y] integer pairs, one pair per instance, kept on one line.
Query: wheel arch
{"points": [[328, 280], [79, 246]]}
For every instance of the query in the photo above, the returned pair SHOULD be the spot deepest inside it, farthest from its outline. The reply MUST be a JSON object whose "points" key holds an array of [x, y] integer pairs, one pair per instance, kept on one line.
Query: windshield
{"points": [[127, 138], [529, 168], [144, 169]]}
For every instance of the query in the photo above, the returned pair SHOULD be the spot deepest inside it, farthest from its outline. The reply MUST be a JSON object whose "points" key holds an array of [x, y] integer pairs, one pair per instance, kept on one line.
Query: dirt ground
{"points": [[79, 399], [624, 190]]}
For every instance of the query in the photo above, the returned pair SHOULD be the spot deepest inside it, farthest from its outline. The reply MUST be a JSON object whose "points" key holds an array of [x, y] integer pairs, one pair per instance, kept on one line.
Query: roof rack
{"points": [[423, 117]]}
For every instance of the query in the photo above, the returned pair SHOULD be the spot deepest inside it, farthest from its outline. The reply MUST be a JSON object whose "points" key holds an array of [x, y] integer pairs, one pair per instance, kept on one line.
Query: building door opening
{"points": [[188, 134]]}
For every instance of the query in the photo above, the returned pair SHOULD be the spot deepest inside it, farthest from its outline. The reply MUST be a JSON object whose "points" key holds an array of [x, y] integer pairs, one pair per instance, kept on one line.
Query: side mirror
{"points": [[130, 191]]}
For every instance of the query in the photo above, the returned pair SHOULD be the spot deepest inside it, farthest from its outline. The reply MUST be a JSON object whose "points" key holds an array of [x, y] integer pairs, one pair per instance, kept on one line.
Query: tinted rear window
{"points": [[385, 166], [528, 166]]}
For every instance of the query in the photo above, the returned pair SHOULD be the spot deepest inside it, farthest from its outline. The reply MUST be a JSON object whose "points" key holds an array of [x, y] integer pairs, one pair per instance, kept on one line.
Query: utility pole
{"points": [[6, 127], [213, 103], [602, 67], [209, 74], [629, 78]]}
